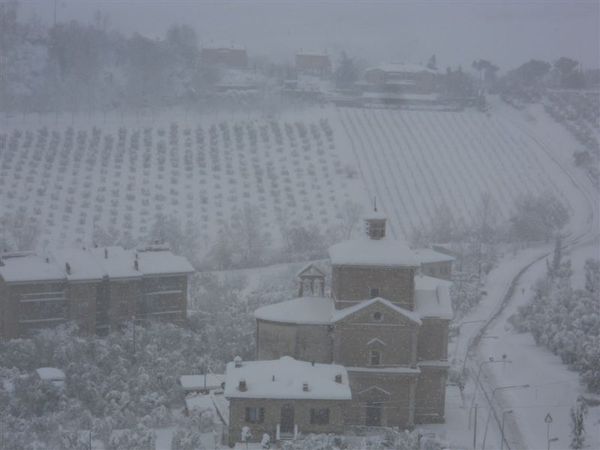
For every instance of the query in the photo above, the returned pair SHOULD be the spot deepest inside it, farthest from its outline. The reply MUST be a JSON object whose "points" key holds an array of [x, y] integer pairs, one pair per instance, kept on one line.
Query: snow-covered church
{"points": [[372, 353]]}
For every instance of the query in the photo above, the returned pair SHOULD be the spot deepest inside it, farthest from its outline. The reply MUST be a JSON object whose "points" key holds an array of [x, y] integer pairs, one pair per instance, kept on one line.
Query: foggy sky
{"points": [[506, 32]]}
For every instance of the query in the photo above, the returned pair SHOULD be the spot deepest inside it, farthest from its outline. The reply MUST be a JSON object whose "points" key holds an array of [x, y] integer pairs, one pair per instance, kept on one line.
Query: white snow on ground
{"points": [[554, 388]]}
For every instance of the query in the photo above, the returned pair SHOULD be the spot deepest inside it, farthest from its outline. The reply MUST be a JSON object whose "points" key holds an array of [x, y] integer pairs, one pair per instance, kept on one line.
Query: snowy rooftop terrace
{"points": [[91, 264], [432, 299], [286, 378]]}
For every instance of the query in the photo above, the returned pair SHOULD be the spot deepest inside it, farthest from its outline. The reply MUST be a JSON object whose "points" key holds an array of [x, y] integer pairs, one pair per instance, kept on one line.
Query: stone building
{"points": [[384, 323], [98, 288]]}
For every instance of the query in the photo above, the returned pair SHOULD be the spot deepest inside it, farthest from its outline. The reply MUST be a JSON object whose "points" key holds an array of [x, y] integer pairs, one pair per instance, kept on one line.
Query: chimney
{"points": [[105, 253], [338, 378], [243, 387], [273, 378], [136, 265], [237, 361], [313, 363], [68, 268], [305, 387], [375, 223]]}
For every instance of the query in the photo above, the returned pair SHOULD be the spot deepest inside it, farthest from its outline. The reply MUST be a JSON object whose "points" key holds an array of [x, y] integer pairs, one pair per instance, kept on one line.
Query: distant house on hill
{"points": [[99, 288], [317, 64], [223, 55], [372, 353], [402, 78]]}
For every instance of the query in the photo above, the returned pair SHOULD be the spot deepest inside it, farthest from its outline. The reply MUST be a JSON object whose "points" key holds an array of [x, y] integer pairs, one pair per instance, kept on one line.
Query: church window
{"points": [[377, 316], [374, 357]]}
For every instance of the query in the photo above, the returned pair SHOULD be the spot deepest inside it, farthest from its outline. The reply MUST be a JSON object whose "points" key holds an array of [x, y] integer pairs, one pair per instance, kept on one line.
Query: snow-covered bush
{"points": [[567, 320]]}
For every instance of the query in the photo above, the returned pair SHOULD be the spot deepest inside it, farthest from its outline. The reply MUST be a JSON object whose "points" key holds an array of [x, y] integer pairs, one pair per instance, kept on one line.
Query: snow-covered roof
{"points": [[153, 262], [340, 314], [20, 267], [82, 264], [432, 297], [199, 402], [403, 68], [310, 270], [52, 375], [428, 255], [199, 382], [222, 45], [116, 262], [284, 379], [302, 310], [91, 264], [403, 370], [321, 311], [373, 252]]}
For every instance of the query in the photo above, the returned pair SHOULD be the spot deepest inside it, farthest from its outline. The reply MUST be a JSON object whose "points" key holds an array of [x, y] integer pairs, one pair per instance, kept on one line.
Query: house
{"points": [[224, 55], [280, 397], [97, 288], [313, 63], [384, 326]]}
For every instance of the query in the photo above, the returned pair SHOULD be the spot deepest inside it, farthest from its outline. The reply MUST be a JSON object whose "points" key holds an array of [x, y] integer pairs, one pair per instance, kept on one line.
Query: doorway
{"points": [[287, 419], [373, 414]]}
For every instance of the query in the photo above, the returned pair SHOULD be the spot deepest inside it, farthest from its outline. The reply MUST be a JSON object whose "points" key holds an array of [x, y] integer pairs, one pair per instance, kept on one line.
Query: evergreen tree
{"points": [[578, 413]]}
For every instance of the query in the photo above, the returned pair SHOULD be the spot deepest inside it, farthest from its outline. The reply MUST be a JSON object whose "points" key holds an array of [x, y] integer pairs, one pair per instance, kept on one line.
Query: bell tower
{"points": [[375, 223]]}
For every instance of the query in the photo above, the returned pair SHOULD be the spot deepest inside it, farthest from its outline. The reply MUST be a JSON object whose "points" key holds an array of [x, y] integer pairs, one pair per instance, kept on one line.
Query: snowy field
{"points": [[416, 161], [75, 174], [73, 179]]}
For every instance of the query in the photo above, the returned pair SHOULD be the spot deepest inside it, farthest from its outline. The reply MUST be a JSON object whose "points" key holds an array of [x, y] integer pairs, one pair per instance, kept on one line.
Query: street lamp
{"points": [[504, 413], [500, 388], [491, 360]]}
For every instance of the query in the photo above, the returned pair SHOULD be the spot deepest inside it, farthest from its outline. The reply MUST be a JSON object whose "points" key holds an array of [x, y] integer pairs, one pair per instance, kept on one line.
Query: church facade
{"points": [[383, 328]]}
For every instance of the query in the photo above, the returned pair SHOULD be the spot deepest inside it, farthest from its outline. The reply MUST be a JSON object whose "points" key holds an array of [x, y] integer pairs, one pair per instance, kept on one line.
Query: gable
{"points": [[377, 311], [374, 394]]}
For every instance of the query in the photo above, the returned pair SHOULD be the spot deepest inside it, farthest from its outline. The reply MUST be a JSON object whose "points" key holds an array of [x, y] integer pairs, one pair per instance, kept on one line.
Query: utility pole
{"points": [[475, 428], [548, 420]]}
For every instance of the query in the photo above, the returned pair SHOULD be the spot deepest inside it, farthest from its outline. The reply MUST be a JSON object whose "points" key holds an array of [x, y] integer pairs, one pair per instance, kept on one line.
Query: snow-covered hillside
{"points": [[297, 169]]}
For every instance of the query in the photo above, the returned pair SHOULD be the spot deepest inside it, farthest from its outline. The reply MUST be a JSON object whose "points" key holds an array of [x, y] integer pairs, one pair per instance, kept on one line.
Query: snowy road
{"points": [[485, 333]]}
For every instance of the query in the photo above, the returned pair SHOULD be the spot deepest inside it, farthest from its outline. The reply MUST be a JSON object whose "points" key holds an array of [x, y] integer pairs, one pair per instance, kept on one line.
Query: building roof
{"points": [[91, 264], [153, 261], [321, 310], [432, 297], [301, 310], [82, 263], [403, 68], [50, 373], [428, 255], [340, 314], [373, 252], [116, 262], [284, 379], [25, 266], [199, 382]]}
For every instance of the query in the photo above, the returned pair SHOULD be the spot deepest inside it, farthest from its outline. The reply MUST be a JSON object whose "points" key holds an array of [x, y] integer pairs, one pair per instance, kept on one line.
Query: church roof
{"points": [[373, 252], [432, 297], [340, 314], [302, 310], [284, 378], [427, 255]]}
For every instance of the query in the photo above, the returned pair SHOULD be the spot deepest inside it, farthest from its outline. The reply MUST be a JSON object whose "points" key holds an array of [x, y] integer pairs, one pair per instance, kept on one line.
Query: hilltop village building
{"points": [[99, 288], [372, 353]]}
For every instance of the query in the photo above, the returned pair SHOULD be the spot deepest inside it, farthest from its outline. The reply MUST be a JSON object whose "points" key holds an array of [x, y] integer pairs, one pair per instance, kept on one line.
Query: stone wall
{"points": [[431, 395], [359, 333], [352, 284], [272, 416], [303, 342], [395, 393], [433, 340]]}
